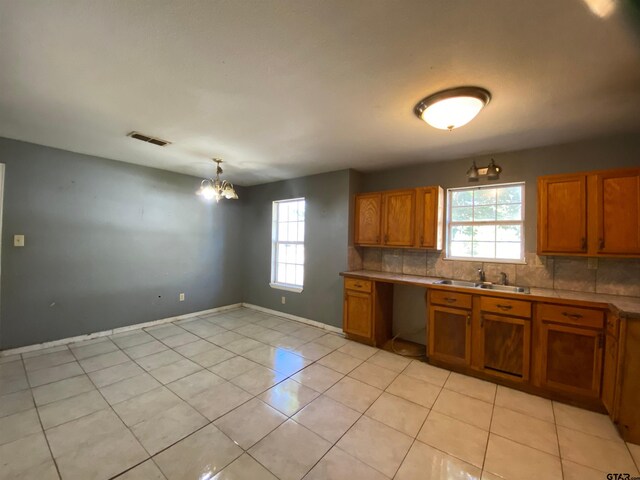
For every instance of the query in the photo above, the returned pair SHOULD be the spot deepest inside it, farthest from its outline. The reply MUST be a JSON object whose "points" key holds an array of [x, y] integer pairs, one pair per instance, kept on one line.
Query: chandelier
{"points": [[215, 188]]}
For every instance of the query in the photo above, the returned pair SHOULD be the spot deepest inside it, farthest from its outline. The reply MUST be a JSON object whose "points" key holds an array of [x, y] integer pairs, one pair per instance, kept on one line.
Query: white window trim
{"points": [[274, 245], [521, 261]]}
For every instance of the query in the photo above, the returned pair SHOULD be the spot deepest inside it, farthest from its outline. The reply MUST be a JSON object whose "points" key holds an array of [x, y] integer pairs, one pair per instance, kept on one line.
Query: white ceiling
{"points": [[287, 88]]}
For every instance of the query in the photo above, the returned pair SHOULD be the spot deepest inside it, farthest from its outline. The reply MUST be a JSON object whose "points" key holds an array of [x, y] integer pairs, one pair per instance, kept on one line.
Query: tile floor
{"points": [[248, 396]]}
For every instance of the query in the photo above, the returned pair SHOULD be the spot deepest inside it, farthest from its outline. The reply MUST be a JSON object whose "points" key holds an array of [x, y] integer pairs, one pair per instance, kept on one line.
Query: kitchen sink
{"points": [[456, 283], [504, 288]]}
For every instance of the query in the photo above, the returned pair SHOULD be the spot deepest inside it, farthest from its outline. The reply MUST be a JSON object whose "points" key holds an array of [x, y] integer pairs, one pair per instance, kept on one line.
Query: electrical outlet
{"points": [[284, 300], [182, 297], [18, 240]]}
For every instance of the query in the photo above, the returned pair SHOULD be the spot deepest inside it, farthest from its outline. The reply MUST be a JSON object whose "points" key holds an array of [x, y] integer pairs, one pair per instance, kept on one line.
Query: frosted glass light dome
{"points": [[452, 108]]}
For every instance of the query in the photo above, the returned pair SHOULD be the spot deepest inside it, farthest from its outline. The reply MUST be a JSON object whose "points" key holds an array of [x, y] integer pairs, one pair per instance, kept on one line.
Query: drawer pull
{"points": [[450, 300], [602, 244], [468, 319], [504, 307], [584, 243], [358, 285], [572, 316]]}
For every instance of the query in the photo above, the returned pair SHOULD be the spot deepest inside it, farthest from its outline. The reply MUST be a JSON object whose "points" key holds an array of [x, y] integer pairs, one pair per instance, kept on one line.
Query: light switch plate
{"points": [[18, 240]]}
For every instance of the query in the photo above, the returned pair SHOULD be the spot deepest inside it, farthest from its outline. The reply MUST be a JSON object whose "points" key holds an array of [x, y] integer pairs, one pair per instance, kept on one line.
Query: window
{"points": [[486, 223], [287, 251]]}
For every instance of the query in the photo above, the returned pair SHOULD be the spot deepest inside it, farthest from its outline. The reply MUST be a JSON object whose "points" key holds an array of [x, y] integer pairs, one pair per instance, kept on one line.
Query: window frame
{"points": [[450, 224], [275, 242]]}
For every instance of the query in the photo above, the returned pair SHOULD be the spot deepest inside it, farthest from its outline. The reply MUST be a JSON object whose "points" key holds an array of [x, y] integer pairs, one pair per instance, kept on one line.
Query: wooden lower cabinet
{"points": [[504, 346], [449, 335], [367, 311], [358, 313]]}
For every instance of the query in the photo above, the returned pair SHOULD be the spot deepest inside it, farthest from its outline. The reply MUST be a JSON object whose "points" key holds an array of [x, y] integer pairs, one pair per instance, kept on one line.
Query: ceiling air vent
{"points": [[148, 139]]}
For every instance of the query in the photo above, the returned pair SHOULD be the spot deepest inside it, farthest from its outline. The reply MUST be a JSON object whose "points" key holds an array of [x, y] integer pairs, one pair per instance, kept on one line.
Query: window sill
{"points": [[288, 288], [485, 260]]}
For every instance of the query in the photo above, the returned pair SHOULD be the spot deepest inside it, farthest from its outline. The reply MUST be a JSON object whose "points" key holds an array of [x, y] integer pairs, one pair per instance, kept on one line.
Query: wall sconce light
{"points": [[491, 171]]}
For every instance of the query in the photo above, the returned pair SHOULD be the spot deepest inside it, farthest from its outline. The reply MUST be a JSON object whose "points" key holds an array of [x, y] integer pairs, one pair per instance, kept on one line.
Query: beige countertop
{"points": [[627, 307]]}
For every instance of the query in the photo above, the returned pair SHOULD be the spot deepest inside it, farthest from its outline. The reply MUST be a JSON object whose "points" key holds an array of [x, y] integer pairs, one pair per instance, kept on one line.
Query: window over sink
{"points": [[287, 245], [486, 223]]}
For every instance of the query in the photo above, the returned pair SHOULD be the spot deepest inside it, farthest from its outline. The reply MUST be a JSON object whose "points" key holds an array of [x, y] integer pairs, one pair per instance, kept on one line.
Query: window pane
{"points": [[282, 232], [510, 194], [460, 233], [462, 214], [461, 198], [299, 254], [510, 212], [299, 275], [484, 233], [301, 231], [291, 274], [484, 249], [461, 249], [509, 250], [509, 233], [292, 228], [281, 272], [487, 213], [484, 196], [283, 215]]}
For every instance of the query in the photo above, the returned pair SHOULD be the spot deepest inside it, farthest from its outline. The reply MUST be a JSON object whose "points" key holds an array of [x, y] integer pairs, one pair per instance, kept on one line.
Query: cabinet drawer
{"points": [[357, 284], [506, 306], [451, 299], [571, 315]]}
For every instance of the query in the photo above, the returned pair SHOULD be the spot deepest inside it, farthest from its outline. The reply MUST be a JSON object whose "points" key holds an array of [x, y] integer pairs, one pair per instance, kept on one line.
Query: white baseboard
{"points": [[278, 313], [137, 326]]}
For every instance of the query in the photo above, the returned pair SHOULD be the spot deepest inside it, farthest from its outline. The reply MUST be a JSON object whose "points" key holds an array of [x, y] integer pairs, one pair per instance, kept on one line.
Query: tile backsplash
{"points": [[612, 276]]}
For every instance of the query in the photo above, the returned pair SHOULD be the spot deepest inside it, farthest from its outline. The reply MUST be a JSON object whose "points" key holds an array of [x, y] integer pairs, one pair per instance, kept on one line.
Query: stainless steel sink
{"points": [[456, 283], [504, 288]]}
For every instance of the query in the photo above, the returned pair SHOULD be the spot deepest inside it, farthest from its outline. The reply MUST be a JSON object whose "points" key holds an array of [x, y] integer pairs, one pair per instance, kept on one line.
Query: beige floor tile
{"points": [[19, 425], [339, 465], [585, 421], [464, 408], [49, 360], [145, 349], [490, 476], [233, 367], [427, 373], [183, 338], [129, 388], [91, 348], [358, 350], [290, 450], [472, 387], [287, 342], [277, 359], [166, 428], [250, 422], [145, 471], [107, 376], [308, 333], [104, 360], [147, 405], [317, 377], [525, 429], [219, 400], [69, 387], [15, 403], [414, 390], [13, 384], [312, 351], [202, 328], [286, 327], [191, 385], [354, 394], [512, 460], [36, 353], [328, 418], [258, 380], [199, 456], [398, 413], [54, 374], [164, 331], [373, 375], [635, 453], [131, 339], [63, 411], [595, 452], [27, 458], [224, 338], [340, 362], [390, 361], [460, 439], [377, 445], [160, 359], [243, 345], [244, 468], [174, 371], [573, 471], [522, 402], [426, 463], [288, 396], [331, 340], [194, 348], [212, 357]]}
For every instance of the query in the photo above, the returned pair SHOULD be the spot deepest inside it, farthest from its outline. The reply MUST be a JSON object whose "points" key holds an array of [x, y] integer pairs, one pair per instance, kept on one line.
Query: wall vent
{"points": [[148, 139]]}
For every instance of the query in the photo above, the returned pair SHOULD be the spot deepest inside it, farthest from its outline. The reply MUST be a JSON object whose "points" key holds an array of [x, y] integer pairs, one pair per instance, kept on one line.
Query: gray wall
{"points": [[108, 244], [326, 238]]}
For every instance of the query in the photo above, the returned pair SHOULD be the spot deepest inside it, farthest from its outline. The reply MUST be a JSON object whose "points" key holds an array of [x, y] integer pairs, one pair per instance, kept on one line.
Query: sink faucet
{"points": [[504, 280], [481, 275]]}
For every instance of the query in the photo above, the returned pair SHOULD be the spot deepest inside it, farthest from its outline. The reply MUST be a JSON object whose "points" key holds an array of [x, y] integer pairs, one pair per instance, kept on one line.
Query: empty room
{"points": [[319, 240]]}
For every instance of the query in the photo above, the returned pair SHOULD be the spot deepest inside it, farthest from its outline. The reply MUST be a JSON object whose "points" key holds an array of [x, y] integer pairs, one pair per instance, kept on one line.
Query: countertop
{"points": [[627, 307]]}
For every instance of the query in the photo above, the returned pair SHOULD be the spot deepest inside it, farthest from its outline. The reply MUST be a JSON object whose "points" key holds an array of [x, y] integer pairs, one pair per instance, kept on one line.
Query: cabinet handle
{"points": [[584, 243], [421, 239], [504, 307], [601, 243], [450, 300], [357, 285], [572, 316], [386, 238], [377, 238], [468, 319]]}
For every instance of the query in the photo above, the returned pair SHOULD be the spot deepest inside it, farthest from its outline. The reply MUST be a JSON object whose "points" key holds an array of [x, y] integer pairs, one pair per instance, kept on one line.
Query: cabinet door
{"points": [[367, 215], [609, 375], [449, 335], [505, 346], [618, 212], [398, 220], [358, 314], [571, 359], [562, 214], [430, 216]]}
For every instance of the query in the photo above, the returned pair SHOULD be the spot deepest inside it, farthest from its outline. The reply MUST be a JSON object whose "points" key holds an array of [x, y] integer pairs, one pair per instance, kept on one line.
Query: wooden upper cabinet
{"points": [[398, 218], [429, 215], [562, 214], [618, 212], [368, 212]]}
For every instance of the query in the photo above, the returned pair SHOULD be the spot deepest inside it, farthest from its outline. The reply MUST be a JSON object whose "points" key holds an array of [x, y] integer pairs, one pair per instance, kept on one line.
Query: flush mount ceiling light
{"points": [[492, 172], [216, 188], [452, 108]]}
